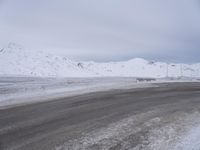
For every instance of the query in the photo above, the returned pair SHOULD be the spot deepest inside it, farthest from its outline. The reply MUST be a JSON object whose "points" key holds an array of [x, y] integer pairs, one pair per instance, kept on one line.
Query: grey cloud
{"points": [[106, 29]]}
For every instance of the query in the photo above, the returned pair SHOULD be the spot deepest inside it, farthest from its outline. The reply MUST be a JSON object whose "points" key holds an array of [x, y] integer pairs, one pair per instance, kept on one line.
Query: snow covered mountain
{"points": [[15, 60], [142, 68]]}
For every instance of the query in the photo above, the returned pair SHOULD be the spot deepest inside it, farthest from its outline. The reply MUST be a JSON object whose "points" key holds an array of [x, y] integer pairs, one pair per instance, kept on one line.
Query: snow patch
{"points": [[139, 132]]}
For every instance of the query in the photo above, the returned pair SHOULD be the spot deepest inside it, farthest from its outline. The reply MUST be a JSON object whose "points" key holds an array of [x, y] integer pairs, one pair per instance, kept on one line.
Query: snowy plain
{"points": [[23, 90], [19, 90]]}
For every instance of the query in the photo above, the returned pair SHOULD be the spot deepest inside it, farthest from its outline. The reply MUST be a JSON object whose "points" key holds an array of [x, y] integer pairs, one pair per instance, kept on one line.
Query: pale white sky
{"points": [[102, 30]]}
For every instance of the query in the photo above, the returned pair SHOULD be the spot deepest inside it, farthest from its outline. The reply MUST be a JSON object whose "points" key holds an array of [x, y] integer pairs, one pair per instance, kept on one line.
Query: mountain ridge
{"points": [[15, 60]]}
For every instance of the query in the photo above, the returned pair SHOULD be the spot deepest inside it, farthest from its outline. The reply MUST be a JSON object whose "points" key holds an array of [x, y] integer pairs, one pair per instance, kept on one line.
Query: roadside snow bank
{"points": [[145, 131], [190, 140], [182, 133]]}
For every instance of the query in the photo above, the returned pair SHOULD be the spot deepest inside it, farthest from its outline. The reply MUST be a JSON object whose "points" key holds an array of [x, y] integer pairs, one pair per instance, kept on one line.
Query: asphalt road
{"points": [[96, 120]]}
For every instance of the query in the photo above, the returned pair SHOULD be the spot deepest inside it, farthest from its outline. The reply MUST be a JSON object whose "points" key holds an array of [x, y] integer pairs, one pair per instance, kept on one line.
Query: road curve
{"points": [[116, 119]]}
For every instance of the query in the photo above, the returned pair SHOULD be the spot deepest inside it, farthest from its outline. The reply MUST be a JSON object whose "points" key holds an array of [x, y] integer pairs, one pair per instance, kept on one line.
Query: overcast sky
{"points": [[102, 30]]}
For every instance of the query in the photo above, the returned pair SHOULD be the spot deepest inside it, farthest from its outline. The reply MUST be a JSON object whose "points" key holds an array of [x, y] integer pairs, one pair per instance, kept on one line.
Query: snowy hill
{"points": [[142, 68], [15, 60]]}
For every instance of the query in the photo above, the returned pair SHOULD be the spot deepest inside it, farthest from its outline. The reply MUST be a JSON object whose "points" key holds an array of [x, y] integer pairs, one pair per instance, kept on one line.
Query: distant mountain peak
{"points": [[12, 45], [137, 60], [11, 48]]}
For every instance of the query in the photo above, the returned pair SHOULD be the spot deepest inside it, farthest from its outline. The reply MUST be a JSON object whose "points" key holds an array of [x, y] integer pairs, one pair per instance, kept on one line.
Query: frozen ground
{"points": [[160, 116], [19, 90], [22, 90], [146, 131]]}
